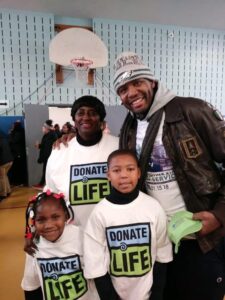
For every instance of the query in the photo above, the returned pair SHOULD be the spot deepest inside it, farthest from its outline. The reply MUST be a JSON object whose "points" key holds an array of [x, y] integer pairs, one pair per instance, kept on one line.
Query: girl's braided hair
{"points": [[36, 201]]}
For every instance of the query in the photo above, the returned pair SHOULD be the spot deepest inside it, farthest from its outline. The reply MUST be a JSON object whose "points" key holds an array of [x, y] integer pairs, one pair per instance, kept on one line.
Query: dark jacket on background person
{"points": [[46, 146], [5, 152], [17, 140], [18, 172], [194, 139]]}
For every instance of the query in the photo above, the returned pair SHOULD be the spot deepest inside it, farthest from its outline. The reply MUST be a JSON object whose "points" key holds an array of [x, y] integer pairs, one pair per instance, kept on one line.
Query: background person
{"points": [[67, 128], [18, 172], [57, 130], [6, 161], [45, 149], [178, 140]]}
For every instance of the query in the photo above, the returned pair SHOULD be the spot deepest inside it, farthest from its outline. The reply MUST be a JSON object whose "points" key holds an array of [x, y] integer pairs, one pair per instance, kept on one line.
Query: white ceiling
{"points": [[190, 13]]}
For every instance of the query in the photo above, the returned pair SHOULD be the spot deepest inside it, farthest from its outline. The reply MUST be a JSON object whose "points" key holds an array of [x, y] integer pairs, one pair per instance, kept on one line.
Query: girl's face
{"points": [[50, 219]]}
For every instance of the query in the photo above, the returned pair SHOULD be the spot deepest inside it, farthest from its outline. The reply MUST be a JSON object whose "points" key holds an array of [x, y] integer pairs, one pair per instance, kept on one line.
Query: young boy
{"points": [[125, 235]]}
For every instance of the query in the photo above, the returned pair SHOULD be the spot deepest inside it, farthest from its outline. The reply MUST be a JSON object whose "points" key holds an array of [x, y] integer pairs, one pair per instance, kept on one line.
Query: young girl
{"points": [[126, 234], [55, 270]]}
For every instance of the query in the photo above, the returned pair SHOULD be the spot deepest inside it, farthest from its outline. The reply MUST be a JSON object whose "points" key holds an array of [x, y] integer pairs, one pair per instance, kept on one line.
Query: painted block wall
{"points": [[188, 60], [25, 69]]}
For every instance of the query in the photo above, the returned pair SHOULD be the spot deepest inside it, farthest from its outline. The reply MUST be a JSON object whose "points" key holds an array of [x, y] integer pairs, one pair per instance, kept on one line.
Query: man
{"points": [[178, 140]]}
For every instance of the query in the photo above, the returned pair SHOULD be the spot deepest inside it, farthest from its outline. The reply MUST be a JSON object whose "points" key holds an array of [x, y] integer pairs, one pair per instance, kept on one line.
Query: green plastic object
{"points": [[181, 225]]}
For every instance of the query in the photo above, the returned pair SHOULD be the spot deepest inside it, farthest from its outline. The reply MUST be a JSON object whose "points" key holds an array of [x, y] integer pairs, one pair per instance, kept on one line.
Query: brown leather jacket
{"points": [[194, 139]]}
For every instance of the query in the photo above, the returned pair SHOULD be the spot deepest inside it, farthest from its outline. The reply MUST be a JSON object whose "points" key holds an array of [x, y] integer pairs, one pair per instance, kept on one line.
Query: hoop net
{"points": [[81, 67]]}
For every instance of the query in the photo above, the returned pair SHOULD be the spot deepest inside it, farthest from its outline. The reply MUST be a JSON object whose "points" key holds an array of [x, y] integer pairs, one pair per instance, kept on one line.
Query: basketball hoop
{"points": [[81, 67]]}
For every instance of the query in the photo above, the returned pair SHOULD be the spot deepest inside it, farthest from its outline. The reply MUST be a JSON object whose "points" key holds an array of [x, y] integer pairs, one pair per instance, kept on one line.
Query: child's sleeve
{"points": [[30, 279], [95, 248], [31, 295], [163, 245], [105, 288]]}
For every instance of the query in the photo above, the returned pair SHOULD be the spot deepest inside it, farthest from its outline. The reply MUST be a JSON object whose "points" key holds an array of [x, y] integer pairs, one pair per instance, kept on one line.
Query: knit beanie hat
{"points": [[48, 124], [129, 66], [89, 101]]}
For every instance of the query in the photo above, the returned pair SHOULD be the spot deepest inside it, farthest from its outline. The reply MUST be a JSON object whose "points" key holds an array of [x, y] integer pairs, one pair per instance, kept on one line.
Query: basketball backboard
{"points": [[76, 43]]}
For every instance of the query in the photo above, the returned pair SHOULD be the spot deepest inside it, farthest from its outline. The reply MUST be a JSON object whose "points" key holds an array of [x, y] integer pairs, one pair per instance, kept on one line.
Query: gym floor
{"points": [[12, 216]]}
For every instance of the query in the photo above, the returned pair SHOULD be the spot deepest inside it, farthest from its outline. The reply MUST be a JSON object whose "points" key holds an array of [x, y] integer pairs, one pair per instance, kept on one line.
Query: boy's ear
{"points": [[108, 175], [139, 173]]}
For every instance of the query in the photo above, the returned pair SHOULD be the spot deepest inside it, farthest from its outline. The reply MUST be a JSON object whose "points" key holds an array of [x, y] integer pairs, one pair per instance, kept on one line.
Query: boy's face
{"points": [[50, 220], [123, 173]]}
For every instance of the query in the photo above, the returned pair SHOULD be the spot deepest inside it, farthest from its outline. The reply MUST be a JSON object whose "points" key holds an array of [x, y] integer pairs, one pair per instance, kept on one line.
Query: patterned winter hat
{"points": [[129, 66]]}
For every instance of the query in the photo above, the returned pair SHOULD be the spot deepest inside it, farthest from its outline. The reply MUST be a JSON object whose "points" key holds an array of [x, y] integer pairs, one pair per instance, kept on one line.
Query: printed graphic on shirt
{"points": [[88, 183], [160, 171], [62, 278], [138, 151], [129, 247]]}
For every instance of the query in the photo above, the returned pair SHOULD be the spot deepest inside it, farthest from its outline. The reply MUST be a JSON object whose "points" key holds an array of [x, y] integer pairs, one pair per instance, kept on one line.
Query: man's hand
{"points": [[65, 138], [209, 222], [30, 247]]}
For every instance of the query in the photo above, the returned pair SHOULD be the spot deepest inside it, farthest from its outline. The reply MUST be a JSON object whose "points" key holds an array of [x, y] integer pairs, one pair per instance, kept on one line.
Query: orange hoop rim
{"points": [[81, 62]]}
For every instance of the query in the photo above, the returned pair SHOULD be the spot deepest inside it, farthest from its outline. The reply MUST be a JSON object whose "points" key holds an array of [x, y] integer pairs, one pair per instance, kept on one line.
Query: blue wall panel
{"points": [[26, 68], [188, 60]]}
